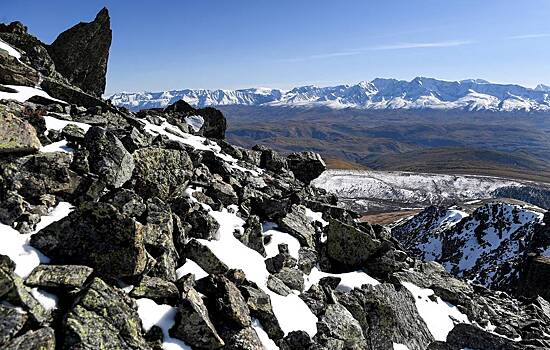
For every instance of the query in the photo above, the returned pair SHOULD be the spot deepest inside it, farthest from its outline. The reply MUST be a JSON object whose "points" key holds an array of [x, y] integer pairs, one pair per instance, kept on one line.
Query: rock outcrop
{"points": [[81, 53]]}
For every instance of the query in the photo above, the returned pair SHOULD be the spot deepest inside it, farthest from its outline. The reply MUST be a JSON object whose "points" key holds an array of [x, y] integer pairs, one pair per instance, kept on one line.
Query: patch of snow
{"points": [[350, 280], [278, 237], [11, 51], [17, 247], [53, 123], [191, 267], [195, 121], [163, 316], [397, 346], [47, 300], [291, 311], [316, 216], [267, 343], [24, 93], [59, 146], [438, 315]]}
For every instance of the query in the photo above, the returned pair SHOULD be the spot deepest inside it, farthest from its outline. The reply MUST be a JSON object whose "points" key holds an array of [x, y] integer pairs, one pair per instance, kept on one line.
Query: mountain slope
{"points": [[488, 245], [419, 93]]}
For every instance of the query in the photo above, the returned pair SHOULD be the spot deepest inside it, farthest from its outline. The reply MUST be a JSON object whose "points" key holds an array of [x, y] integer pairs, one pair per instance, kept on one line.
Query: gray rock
{"points": [[306, 166], [338, 323], [17, 136], [387, 314], [159, 172], [203, 224], [13, 290], [260, 307], [472, 337], [276, 285], [157, 289], [43, 339], [81, 53], [12, 321], [307, 259], [244, 339], [159, 239], [348, 246], [96, 235], [204, 257], [292, 278], [253, 236], [225, 302], [74, 133], [298, 225], [193, 325], [65, 277], [102, 318], [127, 202], [14, 72], [108, 158], [43, 173], [222, 192]]}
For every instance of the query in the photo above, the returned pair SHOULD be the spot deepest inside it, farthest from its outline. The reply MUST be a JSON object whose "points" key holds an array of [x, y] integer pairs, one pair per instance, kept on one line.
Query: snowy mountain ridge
{"points": [[378, 94]]}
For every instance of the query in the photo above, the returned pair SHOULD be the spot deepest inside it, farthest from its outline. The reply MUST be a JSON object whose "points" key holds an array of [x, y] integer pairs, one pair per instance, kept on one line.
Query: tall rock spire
{"points": [[81, 53]]}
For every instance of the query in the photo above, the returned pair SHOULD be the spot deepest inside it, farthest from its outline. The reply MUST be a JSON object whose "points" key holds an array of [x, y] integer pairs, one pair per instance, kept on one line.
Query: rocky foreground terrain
{"points": [[147, 230]]}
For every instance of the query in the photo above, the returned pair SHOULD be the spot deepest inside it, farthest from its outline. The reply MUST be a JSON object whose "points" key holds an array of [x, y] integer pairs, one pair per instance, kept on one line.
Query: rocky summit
{"points": [[147, 230]]}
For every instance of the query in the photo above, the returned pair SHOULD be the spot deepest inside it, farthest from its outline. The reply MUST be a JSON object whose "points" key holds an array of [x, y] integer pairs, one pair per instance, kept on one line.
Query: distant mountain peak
{"points": [[380, 93]]}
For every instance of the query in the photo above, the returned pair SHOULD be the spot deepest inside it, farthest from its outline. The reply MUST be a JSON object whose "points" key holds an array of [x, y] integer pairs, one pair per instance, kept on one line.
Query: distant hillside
{"points": [[500, 144]]}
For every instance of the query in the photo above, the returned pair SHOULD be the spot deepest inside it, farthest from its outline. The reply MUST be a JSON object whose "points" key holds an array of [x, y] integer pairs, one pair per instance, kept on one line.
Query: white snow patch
{"points": [[291, 311], [163, 316], [11, 51], [17, 247], [47, 300], [53, 123], [316, 216], [24, 93], [438, 314], [195, 121], [278, 237], [397, 346], [267, 343], [350, 280], [191, 267], [59, 146]]}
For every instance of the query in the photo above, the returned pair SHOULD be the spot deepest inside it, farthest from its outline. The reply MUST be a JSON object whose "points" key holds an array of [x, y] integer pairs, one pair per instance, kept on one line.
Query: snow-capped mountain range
{"points": [[419, 93]]}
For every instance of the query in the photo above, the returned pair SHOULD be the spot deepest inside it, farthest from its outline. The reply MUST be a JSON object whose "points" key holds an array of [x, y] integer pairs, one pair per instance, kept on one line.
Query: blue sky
{"points": [[159, 45]]}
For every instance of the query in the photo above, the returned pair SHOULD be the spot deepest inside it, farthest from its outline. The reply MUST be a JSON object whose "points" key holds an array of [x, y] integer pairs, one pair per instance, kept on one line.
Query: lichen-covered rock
{"points": [[108, 158], [193, 325], [17, 136], [387, 314], [276, 285], [14, 291], [271, 160], [64, 277], [243, 339], [127, 202], [96, 235], [38, 174], [225, 301], [81, 53], [159, 239], [306, 166], [12, 321], [14, 72], [222, 192], [292, 278], [204, 257], [159, 172], [102, 318], [204, 225], [41, 339], [157, 289], [469, 336], [298, 225], [349, 246], [338, 323], [260, 307], [252, 236]]}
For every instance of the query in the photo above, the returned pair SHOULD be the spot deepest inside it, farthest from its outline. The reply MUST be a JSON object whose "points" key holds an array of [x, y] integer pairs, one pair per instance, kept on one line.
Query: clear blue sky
{"points": [[159, 45]]}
